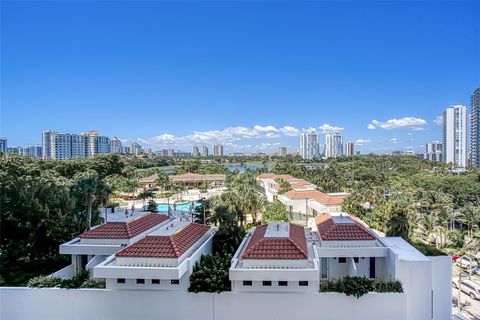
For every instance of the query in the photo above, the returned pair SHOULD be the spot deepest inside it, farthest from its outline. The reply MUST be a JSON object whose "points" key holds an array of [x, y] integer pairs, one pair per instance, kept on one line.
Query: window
{"points": [[155, 281], [303, 283], [342, 260], [174, 281], [324, 268], [140, 281], [120, 280], [282, 283], [247, 283], [267, 283], [355, 259]]}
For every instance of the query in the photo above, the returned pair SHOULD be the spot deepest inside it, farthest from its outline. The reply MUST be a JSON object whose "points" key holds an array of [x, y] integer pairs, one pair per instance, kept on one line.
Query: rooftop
{"points": [[315, 195], [279, 241], [125, 230], [342, 228], [160, 244]]}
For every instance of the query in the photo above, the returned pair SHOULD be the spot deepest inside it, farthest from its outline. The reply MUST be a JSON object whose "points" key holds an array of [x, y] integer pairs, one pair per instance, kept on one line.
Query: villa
{"points": [[95, 245], [189, 180], [163, 260]]}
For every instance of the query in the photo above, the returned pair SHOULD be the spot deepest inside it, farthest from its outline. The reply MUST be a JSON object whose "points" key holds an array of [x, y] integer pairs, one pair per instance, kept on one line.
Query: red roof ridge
{"points": [[328, 229]]}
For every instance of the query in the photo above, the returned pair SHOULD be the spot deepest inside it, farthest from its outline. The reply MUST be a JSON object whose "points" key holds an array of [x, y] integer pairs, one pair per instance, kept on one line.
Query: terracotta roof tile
{"points": [[166, 246], [125, 230], [329, 230], [293, 247], [315, 195], [267, 176]]}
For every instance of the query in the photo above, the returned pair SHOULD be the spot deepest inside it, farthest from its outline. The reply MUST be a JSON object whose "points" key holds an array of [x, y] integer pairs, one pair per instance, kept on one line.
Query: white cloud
{"points": [[290, 131], [405, 122], [371, 126], [361, 142], [394, 140], [438, 120], [326, 128], [272, 135], [265, 129]]}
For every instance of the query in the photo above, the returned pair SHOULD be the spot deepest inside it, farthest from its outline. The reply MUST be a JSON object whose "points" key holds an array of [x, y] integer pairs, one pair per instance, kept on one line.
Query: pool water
{"points": [[184, 206]]}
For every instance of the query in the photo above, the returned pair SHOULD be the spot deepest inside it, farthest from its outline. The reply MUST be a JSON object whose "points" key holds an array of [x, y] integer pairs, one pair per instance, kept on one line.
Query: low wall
{"points": [[81, 304]]}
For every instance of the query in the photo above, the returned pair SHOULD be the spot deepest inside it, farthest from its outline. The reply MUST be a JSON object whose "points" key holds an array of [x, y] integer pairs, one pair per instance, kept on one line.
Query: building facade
{"points": [[309, 145], [136, 148], [218, 150], [349, 149], [63, 146], [282, 151], [333, 145], [455, 135], [196, 152], [475, 127], [3, 145], [434, 151], [116, 146], [204, 151], [32, 151]]}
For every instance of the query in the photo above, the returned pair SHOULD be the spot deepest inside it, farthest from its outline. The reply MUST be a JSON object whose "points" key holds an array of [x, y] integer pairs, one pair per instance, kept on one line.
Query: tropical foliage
{"points": [[211, 274], [359, 286], [275, 212]]}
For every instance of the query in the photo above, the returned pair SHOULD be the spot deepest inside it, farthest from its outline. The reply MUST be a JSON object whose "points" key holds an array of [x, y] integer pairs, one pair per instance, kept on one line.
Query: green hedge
{"points": [[359, 286], [81, 280], [427, 249]]}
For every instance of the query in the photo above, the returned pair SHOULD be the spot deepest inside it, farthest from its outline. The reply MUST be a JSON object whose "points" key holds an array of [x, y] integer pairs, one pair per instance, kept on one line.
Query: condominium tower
{"points": [[333, 145], [116, 145], [309, 147], [282, 151], [475, 127], [196, 152], [434, 151], [349, 149], [3, 145], [218, 150], [205, 151], [63, 146], [455, 135]]}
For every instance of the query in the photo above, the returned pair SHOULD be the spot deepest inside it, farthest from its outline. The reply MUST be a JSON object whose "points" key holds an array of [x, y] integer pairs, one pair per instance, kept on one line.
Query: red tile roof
{"points": [[125, 230], [321, 197], [166, 246], [261, 247], [330, 230], [267, 176]]}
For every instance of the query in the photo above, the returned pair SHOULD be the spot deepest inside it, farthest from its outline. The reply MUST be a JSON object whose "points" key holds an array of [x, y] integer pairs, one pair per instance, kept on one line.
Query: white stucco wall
{"points": [[81, 304]]}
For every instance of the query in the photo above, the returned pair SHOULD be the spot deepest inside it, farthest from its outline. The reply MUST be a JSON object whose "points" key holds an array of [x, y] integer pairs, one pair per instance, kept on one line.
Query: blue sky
{"points": [[248, 74]]}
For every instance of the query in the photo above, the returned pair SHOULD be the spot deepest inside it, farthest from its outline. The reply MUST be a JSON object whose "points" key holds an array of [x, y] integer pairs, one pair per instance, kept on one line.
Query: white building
{"points": [[282, 151], [63, 146], [95, 245], [204, 151], [475, 127], [136, 148], [309, 145], [162, 260], [333, 145], [116, 146], [278, 257], [218, 150], [455, 135], [196, 151], [434, 151], [32, 151], [349, 149]]}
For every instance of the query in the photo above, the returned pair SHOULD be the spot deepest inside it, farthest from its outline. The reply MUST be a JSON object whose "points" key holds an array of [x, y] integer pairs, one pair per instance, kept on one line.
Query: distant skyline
{"points": [[250, 75]]}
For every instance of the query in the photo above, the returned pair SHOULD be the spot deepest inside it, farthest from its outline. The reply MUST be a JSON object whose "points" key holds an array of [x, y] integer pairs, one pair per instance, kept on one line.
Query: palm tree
{"points": [[470, 216], [162, 180]]}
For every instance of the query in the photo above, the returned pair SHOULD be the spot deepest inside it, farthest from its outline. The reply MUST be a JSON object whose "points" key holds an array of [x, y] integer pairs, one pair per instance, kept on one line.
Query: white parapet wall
{"points": [[81, 304]]}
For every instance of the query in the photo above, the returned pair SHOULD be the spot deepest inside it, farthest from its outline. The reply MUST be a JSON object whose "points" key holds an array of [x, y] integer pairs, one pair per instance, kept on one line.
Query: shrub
{"points": [[426, 249], [211, 274], [44, 282], [81, 280], [152, 206], [359, 286]]}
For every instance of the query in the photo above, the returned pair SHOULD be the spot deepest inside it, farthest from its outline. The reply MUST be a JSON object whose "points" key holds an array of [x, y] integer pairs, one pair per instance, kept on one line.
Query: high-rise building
{"points": [[309, 147], [116, 146], [434, 151], [196, 152], [205, 151], [15, 150], [126, 150], [136, 148], [33, 151], [455, 135], [3, 145], [349, 149], [171, 152], [475, 127], [218, 150], [282, 151], [333, 145], [63, 146]]}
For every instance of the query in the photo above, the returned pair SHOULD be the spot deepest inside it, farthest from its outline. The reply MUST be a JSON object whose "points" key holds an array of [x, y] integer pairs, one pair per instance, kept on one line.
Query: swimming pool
{"points": [[183, 206]]}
